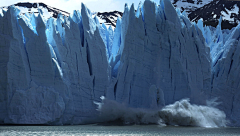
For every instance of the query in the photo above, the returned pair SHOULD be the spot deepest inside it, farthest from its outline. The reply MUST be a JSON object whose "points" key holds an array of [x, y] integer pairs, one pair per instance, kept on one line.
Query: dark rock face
{"points": [[110, 17], [211, 12], [50, 9]]}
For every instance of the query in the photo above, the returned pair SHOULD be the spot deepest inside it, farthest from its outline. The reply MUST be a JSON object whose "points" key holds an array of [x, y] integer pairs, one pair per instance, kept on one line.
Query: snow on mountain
{"points": [[55, 70], [189, 5], [211, 12], [109, 18], [48, 11]]}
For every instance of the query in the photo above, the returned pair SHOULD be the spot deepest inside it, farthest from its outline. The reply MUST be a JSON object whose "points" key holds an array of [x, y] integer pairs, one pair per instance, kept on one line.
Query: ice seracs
{"points": [[52, 71]]}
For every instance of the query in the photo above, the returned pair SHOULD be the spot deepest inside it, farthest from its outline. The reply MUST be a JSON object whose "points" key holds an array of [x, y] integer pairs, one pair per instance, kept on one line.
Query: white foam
{"points": [[180, 113]]}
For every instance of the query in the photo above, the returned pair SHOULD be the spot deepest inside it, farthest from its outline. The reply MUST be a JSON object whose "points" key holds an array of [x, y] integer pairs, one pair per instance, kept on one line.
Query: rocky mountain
{"points": [[209, 10], [27, 7], [109, 18], [189, 5]]}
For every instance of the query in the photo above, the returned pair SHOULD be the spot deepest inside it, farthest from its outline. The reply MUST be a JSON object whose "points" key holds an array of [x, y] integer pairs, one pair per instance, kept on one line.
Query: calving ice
{"points": [[54, 71], [180, 113]]}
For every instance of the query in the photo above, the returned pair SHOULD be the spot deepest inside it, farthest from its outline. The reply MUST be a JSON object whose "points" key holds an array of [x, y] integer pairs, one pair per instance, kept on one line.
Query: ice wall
{"points": [[161, 50], [52, 71], [226, 75], [224, 46]]}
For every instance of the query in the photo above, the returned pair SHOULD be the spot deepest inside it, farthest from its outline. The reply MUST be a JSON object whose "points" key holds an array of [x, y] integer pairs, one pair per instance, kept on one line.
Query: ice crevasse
{"points": [[53, 70]]}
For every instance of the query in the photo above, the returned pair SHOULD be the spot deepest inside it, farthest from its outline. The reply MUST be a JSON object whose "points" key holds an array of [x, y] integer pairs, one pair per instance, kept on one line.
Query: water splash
{"points": [[180, 113]]}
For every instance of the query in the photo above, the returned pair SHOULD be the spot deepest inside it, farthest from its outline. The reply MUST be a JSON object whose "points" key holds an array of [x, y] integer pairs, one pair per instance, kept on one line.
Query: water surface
{"points": [[96, 129]]}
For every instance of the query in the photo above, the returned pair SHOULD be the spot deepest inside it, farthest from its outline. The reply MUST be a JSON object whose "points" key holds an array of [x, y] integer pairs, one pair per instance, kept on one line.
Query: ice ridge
{"points": [[53, 70]]}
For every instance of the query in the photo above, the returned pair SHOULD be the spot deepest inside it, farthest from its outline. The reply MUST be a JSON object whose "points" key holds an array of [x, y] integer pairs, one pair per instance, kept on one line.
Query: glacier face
{"points": [[52, 71], [164, 53]]}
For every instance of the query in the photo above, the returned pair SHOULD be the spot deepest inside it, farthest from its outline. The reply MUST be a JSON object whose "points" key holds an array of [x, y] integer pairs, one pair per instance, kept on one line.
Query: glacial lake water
{"points": [[95, 129]]}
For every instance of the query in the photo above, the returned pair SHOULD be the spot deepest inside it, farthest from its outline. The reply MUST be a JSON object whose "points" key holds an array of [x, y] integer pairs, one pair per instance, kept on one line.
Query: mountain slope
{"points": [[109, 18], [211, 12], [48, 11], [189, 5]]}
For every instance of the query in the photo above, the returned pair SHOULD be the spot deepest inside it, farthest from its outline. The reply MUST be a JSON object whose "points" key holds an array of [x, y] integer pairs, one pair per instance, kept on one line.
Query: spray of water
{"points": [[180, 113]]}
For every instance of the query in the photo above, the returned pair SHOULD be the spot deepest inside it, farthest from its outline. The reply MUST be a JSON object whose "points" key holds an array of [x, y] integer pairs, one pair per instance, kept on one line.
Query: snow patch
{"points": [[227, 15], [190, 6]]}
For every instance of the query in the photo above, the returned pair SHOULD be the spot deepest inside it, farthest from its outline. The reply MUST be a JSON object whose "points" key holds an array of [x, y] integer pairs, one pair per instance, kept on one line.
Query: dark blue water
{"points": [[113, 130]]}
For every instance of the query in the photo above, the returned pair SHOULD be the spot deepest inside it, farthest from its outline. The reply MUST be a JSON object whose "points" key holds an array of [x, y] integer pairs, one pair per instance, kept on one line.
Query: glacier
{"points": [[55, 71]]}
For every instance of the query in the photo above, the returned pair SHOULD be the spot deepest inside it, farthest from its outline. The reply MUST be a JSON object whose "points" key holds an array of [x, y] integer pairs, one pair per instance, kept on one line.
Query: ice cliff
{"points": [[53, 70]]}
